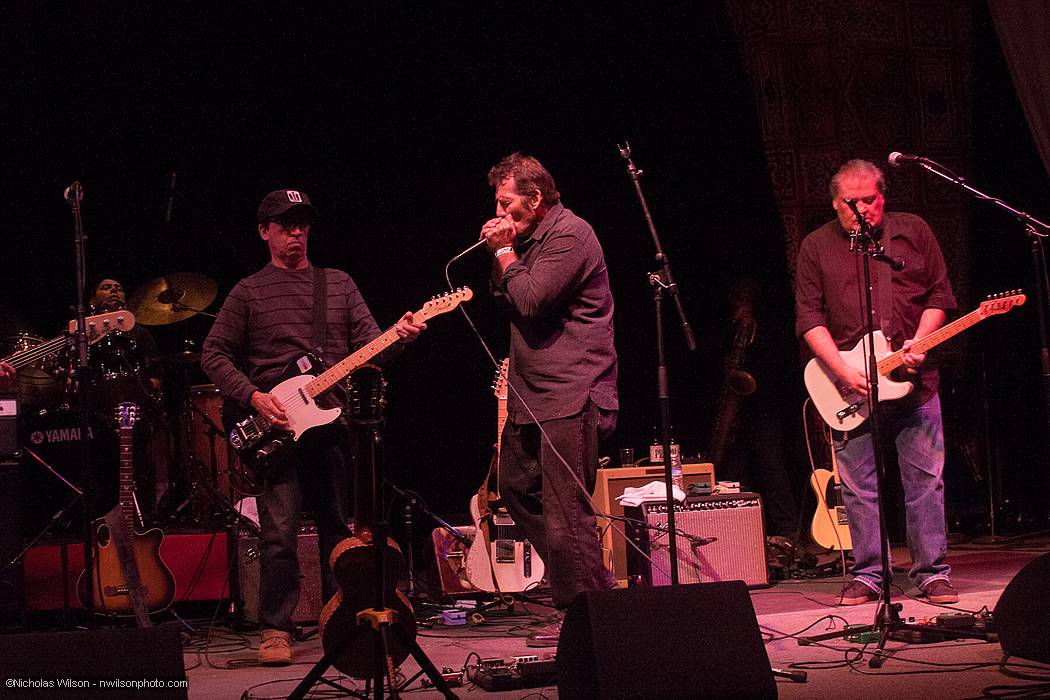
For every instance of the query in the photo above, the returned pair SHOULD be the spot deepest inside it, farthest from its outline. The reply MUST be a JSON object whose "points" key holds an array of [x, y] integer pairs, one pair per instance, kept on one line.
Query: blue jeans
{"points": [[919, 437], [315, 472], [546, 502]]}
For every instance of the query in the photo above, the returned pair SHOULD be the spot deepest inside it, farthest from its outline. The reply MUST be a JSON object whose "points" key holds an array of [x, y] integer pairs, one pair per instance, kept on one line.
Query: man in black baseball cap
{"points": [[264, 327], [280, 203]]}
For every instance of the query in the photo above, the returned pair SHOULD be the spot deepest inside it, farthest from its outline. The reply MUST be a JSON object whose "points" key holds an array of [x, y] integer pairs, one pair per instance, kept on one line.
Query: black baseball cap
{"points": [[280, 202]]}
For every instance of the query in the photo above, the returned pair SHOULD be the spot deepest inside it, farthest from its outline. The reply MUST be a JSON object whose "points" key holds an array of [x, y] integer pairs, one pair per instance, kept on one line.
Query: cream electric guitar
{"points": [[500, 558], [847, 410], [830, 526]]}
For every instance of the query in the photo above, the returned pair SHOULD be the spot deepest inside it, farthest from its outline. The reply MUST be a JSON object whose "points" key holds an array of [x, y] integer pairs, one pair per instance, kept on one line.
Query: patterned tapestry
{"points": [[840, 79]]}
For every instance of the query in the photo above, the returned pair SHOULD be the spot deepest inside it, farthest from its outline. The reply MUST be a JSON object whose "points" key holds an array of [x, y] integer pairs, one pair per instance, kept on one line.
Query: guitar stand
{"points": [[379, 618]]}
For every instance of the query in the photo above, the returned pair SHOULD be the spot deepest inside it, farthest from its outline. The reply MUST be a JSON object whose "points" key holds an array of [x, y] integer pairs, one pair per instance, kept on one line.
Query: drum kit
{"points": [[184, 451]]}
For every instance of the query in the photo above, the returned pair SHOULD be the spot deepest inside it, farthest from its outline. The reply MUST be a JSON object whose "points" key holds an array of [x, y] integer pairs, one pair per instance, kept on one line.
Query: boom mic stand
{"points": [[661, 282], [1037, 231], [74, 195]]}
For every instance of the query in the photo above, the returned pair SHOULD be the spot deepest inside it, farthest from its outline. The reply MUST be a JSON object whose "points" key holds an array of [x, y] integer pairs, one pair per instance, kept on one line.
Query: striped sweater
{"points": [[267, 322]]}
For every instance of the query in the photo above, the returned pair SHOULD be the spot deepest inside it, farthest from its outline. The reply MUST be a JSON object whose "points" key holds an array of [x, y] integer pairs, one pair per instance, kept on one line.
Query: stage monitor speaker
{"points": [[308, 609], [1023, 612], [125, 659], [11, 565], [720, 538], [611, 483], [687, 641]]}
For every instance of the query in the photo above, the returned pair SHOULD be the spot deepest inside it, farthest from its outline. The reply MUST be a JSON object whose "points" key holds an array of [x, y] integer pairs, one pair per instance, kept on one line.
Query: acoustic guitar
{"points": [[129, 577], [500, 557]]}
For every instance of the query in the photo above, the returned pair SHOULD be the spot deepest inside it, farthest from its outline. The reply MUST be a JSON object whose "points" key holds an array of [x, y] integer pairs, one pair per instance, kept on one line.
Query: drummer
{"points": [[109, 296]]}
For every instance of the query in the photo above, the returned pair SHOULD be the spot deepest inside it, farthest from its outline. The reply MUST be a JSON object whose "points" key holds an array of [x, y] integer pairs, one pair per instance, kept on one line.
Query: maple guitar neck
{"points": [[922, 345]]}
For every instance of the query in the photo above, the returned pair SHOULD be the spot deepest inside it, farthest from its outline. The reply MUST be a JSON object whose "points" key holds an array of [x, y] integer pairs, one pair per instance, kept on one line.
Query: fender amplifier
{"points": [[720, 538], [308, 609]]}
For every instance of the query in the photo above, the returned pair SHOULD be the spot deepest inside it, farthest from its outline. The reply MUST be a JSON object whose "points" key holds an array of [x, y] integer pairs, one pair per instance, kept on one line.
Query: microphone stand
{"points": [[662, 282], [1036, 231], [74, 194]]}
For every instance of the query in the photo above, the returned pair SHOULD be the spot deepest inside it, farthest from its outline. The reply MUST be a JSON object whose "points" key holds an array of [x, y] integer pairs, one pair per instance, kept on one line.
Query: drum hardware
{"points": [[173, 298]]}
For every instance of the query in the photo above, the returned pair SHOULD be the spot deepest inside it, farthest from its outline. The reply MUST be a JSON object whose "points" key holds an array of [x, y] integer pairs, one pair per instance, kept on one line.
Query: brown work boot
{"points": [[275, 649], [940, 592], [857, 592]]}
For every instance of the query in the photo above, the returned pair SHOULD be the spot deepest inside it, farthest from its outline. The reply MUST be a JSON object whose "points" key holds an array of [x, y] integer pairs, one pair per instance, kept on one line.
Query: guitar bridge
{"points": [[849, 411]]}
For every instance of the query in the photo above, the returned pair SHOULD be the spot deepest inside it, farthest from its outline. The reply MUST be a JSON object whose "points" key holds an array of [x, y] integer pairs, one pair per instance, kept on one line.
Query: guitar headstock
{"points": [[99, 325], [1001, 303], [446, 302], [127, 413], [499, 382]]}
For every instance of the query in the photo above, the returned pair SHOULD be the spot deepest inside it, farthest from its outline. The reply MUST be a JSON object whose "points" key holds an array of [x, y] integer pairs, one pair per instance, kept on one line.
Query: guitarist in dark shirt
{"points": [[265, 323]]}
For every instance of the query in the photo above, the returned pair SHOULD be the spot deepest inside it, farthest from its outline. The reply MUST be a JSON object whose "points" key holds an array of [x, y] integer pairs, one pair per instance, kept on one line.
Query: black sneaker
{"points": [[857, 593]]}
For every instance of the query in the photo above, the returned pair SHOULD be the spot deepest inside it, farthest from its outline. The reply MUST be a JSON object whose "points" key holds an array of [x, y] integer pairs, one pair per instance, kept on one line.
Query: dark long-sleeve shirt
{"points": [[267, 322], [829, 286], [561, 311]]}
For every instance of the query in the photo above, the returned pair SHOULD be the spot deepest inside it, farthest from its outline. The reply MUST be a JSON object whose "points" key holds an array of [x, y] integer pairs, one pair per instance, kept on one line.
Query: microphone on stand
{"points": [[896, 158], [73, 190]]}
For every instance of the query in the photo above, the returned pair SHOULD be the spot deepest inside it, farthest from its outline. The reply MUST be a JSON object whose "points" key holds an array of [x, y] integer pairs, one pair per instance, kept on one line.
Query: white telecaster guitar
{"points": [[847, 411]]}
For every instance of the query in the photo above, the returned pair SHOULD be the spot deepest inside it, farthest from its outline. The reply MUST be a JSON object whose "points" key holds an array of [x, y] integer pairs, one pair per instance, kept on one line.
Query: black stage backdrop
{"points": [[389, 117]]}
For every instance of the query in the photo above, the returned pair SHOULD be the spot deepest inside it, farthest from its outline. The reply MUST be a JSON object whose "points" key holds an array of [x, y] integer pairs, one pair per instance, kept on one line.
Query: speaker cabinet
{"points": [[687, 641], [9, 445], [1023, 612], [720, 538], [308, 609], [100, 656], [612, 483], [11, 565]]}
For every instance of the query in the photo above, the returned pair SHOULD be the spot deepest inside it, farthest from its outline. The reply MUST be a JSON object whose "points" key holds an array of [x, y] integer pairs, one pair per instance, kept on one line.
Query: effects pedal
{"points": [[520, 672]]}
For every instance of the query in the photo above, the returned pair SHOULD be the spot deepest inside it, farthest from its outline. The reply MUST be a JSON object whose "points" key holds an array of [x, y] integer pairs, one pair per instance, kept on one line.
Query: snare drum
{"points": [[38, 385]]}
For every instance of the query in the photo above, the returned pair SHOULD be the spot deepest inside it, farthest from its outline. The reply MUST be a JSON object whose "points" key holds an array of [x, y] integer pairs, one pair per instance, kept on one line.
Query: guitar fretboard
{"points": [[127, 477]]}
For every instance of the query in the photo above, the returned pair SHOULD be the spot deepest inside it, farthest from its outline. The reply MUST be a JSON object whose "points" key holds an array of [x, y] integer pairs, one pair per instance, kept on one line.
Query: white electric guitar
{"points": [[846, 410], [500, 557]]}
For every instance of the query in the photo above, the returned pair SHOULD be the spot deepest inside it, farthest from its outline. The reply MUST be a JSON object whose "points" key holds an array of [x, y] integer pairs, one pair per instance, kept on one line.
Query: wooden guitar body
{"points": [[830, 527], [111, 590], [341, 626]]}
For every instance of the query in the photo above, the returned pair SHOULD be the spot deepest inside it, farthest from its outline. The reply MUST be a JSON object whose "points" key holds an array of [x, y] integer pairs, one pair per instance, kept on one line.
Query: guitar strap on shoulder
{"points": [[885, 281], [320, 310]]}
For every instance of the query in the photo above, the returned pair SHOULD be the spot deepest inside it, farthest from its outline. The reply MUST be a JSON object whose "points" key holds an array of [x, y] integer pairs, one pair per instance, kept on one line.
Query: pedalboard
{"points": [[520, 672]]}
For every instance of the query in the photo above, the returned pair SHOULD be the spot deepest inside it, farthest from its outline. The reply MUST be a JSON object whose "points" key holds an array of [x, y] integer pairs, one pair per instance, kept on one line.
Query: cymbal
{"points": [[172, 298]]}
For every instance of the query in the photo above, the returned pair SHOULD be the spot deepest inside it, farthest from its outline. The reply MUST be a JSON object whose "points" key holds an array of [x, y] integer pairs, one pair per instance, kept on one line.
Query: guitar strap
{"points": [[320, 310], [885, 281]]}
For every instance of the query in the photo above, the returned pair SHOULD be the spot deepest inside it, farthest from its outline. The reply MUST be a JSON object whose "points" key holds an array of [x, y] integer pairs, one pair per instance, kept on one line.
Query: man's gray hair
{"points": [[857, 167]]}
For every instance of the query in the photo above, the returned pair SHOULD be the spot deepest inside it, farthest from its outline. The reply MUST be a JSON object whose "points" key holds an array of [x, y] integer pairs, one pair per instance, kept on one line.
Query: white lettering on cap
{"points": [[294, 196]]}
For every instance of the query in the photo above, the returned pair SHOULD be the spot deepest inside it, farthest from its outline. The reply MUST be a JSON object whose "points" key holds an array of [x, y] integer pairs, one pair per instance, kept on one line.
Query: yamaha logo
{"points": [[36, 437], [294, 196]]}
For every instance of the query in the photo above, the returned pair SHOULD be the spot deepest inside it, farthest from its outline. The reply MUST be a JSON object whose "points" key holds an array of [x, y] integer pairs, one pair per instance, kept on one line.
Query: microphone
{"points": [[896, 158], [73, 190], [852, 204], [481, 242]]}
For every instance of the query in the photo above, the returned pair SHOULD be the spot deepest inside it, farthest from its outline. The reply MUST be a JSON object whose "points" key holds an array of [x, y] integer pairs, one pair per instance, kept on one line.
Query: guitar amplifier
{"points": [[612, 483], [9, 445], [720, 538], [308, 609]]}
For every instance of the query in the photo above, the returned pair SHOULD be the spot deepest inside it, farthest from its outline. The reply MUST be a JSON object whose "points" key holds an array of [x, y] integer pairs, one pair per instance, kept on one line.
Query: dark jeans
{"points": [[315, 474], [549, 506]]}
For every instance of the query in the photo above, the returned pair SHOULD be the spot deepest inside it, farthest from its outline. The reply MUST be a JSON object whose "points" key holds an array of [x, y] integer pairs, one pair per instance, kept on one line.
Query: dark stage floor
{"points": [[220, 662]]}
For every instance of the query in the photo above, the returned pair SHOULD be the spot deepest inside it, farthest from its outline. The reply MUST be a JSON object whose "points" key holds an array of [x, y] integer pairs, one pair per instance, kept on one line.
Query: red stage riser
{"points": [[184, 554]]}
